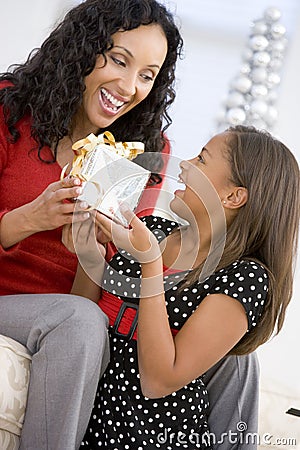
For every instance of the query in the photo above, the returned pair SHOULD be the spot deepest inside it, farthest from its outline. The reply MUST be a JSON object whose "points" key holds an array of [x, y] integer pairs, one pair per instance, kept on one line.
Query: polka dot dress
{"points": [[122, 418]]}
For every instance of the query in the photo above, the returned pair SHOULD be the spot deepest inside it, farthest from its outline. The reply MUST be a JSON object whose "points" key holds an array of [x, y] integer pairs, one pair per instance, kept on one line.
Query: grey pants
{"points": [[67, 336], [233, 391]]}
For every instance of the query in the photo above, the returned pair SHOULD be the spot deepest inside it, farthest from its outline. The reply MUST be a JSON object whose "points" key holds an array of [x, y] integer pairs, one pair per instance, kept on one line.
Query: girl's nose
{"points": [[184, 164]]}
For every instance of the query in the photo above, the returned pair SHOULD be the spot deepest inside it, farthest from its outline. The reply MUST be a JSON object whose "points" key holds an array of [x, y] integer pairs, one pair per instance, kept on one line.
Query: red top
{"points": [[39, 263]]}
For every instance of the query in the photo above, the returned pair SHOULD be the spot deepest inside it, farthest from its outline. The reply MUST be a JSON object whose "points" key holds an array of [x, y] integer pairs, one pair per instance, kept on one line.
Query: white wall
{"points": [[214, 39], [24, 26]]}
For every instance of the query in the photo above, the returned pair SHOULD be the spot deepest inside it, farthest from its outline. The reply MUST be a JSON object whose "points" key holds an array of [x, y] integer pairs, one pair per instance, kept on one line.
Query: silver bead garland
{"points": [[253, 92]]}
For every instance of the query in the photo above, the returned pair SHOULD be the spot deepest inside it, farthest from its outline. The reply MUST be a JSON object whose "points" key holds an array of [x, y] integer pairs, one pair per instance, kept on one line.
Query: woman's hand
{"points": [[138, 240], [81, 238], [55, 208]]}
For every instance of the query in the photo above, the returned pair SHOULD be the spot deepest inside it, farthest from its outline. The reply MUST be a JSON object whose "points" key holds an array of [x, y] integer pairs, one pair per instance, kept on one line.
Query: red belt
{"points": [[122, 315]]}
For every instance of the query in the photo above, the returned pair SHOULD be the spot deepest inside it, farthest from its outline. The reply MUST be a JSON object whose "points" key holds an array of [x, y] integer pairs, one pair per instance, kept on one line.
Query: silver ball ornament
{"points": [[259, 27], [259, 107], [272, 14], [279, 45], [259, 90], [276, 64], [235, 99], [278, 30], [245, 69], [261, 59], [236, 116], [259, 74], [259, 42], [242, 84], [273, 79]]}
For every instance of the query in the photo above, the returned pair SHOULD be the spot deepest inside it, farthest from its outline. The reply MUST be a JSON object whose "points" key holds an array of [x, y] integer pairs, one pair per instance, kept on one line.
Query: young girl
{"points": [[219, 285]]}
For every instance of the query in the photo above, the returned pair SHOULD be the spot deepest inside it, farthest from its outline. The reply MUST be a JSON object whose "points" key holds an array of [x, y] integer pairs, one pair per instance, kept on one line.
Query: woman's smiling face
{"points": [[114, 88]]}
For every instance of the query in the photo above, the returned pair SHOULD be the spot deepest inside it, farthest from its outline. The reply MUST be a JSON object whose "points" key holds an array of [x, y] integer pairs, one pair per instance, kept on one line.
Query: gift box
{"points": [[109, 176]]}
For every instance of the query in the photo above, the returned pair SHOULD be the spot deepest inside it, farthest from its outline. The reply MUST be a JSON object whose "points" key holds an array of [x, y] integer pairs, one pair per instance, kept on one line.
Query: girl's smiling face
{"points": [[207, 179], [114, 88]]}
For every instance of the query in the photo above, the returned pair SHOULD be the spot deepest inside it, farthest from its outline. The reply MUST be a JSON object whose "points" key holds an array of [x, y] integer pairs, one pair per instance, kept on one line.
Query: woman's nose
{"points": [[128, 84]]}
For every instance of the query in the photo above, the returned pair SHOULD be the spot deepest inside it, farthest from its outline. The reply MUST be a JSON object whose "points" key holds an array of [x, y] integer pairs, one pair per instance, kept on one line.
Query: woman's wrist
{"points": [[16, 226]]}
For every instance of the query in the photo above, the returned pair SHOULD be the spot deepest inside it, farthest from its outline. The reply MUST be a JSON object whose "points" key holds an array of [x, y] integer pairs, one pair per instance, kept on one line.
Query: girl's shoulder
{"points": [[240, 275], [244, 280], [245, 266]]}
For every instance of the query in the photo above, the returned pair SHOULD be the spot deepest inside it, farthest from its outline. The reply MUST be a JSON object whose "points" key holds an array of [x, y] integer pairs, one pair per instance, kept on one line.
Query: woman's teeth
{"points": [[114, 104]]}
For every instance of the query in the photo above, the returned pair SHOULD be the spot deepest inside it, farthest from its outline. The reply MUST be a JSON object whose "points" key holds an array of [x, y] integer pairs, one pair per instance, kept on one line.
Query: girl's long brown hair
{"points": [[266, 227]]}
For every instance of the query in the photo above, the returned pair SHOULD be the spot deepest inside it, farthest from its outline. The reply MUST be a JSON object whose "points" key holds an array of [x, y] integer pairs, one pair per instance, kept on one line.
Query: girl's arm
{"points": [[166, 364]]}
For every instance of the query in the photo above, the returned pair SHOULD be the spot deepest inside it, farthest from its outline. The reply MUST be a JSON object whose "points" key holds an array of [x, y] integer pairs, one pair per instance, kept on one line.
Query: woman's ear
{"points": [[236, 199]]}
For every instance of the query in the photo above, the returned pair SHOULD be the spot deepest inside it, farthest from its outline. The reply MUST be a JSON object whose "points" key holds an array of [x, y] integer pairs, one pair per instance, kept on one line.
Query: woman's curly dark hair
{"points": [[50, 84]]}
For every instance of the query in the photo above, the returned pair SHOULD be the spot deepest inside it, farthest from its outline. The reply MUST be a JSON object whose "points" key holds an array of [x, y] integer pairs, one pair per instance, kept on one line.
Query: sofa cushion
{"points": [[9, 441], [15, 361]]}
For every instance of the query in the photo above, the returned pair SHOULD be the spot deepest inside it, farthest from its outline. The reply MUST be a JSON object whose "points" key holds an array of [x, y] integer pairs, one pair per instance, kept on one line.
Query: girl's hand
{"points": [[54, 208], [138, 240]]}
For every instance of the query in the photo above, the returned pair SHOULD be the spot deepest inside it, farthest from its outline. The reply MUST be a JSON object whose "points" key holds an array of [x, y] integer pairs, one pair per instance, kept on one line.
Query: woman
{"points": [[108, 65], [218, 285]]}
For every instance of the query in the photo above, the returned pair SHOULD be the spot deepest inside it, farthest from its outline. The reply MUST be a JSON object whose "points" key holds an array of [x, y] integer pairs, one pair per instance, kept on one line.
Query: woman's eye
{"points": [[200, 158], [117, 61], [147, 77]]}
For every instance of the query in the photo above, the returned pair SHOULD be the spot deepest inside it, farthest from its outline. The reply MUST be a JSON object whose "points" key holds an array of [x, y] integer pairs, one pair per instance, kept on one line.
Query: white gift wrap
{"points": [[112, 180]]}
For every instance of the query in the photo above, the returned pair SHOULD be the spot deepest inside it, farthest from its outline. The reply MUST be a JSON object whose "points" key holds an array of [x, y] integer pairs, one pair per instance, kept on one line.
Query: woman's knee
{"points": [[71, 321], [86, 319], [88, 312]]}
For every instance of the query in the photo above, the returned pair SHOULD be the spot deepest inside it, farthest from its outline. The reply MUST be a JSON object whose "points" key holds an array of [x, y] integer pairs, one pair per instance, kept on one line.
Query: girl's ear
{"points": [[236, 199]]}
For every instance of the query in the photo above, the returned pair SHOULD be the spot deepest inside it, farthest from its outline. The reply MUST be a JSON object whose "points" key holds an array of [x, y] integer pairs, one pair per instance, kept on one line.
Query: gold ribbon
{"points": [[84, 147]]}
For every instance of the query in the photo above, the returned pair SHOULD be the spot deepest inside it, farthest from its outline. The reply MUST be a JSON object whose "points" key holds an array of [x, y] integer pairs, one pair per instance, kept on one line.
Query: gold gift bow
{"points": [[84, 147]]}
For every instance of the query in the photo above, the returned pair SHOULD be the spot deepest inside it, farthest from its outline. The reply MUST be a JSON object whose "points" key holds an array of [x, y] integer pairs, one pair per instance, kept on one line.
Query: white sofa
{"points": [[15, 362]]}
